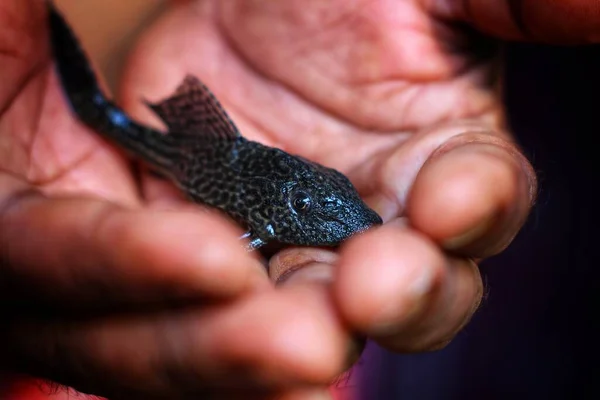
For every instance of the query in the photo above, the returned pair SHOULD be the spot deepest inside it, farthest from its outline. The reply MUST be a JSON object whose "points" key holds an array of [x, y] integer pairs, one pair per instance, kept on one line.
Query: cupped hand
{"points": [[400, 99], [405, 98], [104, 289], [401, 96]]}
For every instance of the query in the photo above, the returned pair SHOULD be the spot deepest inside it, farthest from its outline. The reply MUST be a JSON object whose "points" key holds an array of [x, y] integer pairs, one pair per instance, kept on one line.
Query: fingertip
{"points": [[294, 333], [468, 198], [313, 340], [306, 394], [384, 288]]}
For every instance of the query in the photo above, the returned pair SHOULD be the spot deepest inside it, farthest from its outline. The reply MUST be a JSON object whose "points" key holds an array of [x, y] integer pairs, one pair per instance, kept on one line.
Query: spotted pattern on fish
{"points": [[275, 196]]}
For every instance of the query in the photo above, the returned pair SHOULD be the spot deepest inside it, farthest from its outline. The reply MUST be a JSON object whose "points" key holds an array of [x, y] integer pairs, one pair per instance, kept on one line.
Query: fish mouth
{"points": [[362, 230], [370, 220], [366, 220], [358, 227], [362, 221]]}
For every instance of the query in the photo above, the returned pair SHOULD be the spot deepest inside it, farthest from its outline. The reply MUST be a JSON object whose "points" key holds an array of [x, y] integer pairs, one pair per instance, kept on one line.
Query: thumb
{"points": [[550, 21]]}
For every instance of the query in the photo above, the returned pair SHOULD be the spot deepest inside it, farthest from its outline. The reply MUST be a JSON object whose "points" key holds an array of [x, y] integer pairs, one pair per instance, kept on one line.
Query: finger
{"points": [[473, 195], [403, 292], [273, 340], [305, 394], [302, 264], [570, 21], [57, 250], [464, 184], [245, 394]]}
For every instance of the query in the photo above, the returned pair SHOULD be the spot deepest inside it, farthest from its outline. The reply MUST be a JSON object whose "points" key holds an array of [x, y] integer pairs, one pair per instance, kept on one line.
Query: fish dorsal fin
{"points": [[193, 110]]}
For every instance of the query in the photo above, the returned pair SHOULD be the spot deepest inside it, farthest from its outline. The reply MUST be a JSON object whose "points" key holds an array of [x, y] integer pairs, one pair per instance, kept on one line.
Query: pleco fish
{"points": [[277, 197]]}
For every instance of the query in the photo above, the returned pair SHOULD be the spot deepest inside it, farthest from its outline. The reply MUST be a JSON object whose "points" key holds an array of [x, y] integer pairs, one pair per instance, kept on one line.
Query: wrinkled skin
{"points": [[381, 90]]}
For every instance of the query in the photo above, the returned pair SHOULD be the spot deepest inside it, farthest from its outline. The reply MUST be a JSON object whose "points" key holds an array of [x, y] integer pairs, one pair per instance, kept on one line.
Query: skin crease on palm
{"points": [[382, 90]]}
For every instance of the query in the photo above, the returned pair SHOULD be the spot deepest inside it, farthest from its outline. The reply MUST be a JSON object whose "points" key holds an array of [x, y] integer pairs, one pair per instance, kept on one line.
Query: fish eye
{"points": [[301, 202]]}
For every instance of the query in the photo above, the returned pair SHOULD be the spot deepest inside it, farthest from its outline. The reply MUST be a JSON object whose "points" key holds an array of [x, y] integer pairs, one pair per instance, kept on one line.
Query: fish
{"points": [[275, 197]]}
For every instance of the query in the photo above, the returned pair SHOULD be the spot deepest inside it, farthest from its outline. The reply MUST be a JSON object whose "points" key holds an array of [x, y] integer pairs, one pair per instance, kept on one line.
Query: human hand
{"points": [[397, 174], [400, 99], [406, 106], [108, 289]]}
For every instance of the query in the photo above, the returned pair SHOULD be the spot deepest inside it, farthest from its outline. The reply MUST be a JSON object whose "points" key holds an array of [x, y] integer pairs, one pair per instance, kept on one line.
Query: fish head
{"points": [[317, 206]]}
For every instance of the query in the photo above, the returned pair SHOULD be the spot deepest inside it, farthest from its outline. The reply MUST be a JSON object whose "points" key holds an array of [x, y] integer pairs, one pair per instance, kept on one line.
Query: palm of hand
{"points": [[370, 90], [41, 141], [350, 89]]}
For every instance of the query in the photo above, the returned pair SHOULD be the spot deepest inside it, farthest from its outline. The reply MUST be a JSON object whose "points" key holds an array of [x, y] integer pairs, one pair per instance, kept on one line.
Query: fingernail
{"points": [[302, 264], [393, 318], [471, 235], [308, 394], [422, 283], [308, 273], [322, 395], [319, 395]]}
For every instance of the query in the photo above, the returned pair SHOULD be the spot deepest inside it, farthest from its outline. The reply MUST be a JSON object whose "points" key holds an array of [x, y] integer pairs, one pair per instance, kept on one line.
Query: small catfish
{"points": [[279, 198]]}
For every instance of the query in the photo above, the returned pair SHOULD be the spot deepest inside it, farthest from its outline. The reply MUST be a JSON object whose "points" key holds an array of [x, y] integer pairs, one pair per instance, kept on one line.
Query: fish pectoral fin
{"points": [[193, 110], [255, 241]]}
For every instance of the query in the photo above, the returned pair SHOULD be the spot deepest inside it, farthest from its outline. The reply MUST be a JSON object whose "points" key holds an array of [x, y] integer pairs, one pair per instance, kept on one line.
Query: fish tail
{"points": [[90, 104]]}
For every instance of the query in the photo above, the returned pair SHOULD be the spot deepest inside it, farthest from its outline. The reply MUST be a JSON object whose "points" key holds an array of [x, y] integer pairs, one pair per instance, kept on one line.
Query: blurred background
{"points": [[108, 28], [535, 335]]}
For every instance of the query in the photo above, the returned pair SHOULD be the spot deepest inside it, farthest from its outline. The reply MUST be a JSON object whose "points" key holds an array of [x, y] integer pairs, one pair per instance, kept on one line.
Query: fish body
{"points": [[276, 196]]}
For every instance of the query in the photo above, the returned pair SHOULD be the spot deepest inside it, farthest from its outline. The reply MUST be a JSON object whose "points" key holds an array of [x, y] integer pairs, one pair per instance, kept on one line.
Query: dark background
{"points": [[535, 335]]}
